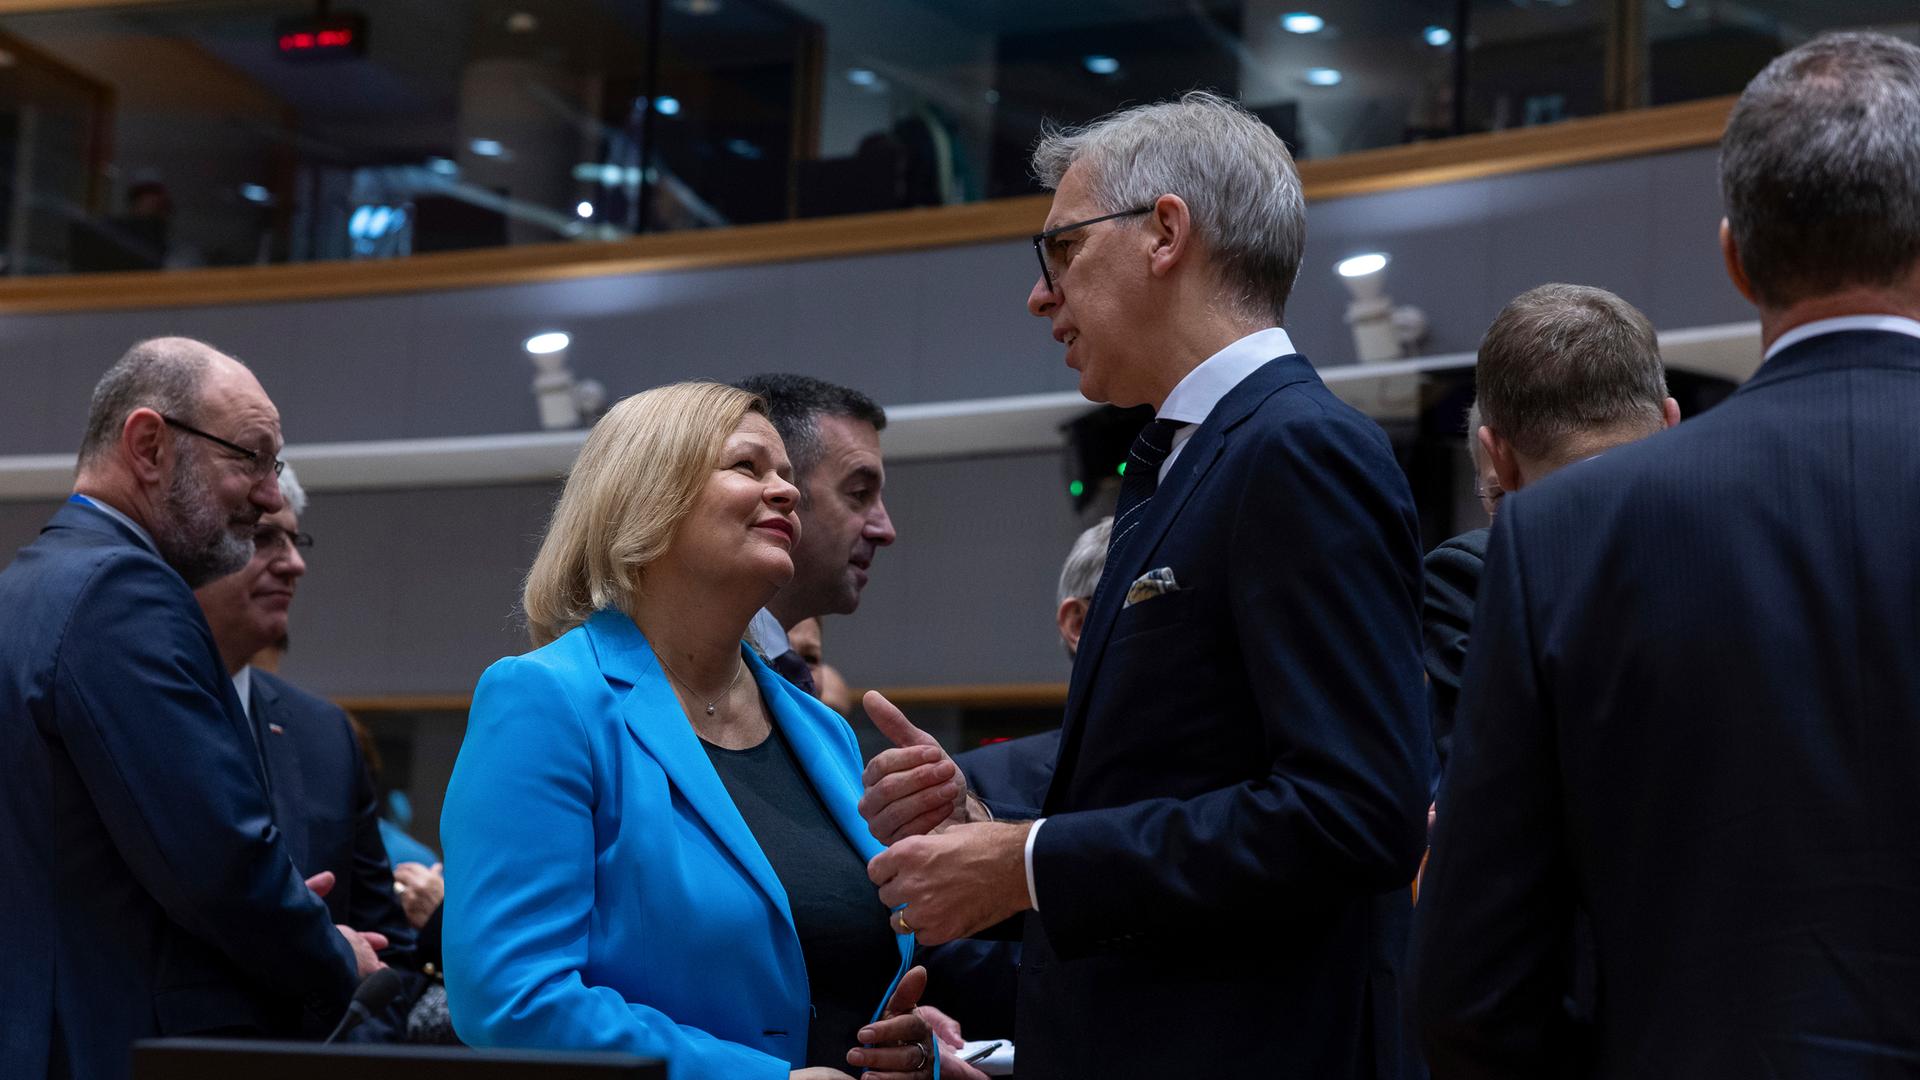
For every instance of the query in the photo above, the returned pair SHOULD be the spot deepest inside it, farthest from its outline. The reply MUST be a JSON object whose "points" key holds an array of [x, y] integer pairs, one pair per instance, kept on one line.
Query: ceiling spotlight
{"points": [[487, 147], [584, 209], [1438, 36], [1302, 22], [667, 106], [1101, 65], [522, 22], [551, 341], [1676, 5], [862, 76], [254, 193], [1361, 265], [697, 7], [443, 166], [1323, 76]]}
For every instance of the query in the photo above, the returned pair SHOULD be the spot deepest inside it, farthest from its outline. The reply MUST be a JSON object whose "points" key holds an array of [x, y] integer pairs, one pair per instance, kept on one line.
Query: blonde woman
{"points": [[651, 839]]}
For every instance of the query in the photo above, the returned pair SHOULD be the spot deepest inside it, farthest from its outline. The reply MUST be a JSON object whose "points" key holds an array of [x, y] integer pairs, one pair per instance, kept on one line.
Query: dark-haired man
{"points": [[145, 890], [1692, 708], [833, 438]]}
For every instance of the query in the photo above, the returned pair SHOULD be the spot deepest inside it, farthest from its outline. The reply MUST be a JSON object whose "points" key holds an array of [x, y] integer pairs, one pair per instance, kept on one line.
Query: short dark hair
{"points": [[1820, 168], [795, 404], [162, 374], [1561, 361]]}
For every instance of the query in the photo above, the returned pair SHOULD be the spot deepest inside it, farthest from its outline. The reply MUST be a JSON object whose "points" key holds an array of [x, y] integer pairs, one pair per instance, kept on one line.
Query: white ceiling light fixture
{"points": [[1440, 36], [550, 341], [1101, 64], [862, 76], [584, 209], [255, 193], [1302, 22], [522, 22], [1381, 330], [667, 106], [1361, 265], [486, 147], [1323, 76]]}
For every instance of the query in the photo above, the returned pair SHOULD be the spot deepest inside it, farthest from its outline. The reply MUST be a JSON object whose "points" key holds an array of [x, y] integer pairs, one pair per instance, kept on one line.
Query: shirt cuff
{"points": [[1033, 897]]}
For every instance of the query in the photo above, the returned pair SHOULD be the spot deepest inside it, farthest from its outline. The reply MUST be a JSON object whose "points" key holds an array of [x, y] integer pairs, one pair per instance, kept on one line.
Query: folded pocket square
{"points": [[1151, 584]]}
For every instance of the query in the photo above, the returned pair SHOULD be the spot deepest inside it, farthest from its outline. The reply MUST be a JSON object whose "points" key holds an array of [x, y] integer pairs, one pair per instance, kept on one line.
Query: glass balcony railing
{"points": [[243, 132]]}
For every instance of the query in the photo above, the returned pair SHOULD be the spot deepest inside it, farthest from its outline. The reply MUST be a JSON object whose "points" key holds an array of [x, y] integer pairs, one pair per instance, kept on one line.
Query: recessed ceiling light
{"points": [[254, 193], [486, 147], [1302, 22], [522, 22], [550, 342], [1438, 36], [667, 106], [443, 166], [1101, 65], [862, 76], [585, 209], [697, 7], [1323, 76], [1361, 265]]}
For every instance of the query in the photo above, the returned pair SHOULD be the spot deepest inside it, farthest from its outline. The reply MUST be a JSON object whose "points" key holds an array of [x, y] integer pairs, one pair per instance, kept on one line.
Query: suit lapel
{"points": [[653, 716], [1129, 561], [286, 780]]}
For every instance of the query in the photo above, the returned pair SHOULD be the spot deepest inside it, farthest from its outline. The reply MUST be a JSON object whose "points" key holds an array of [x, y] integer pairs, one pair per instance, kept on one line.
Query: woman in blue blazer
{"points": [[651, 838]]}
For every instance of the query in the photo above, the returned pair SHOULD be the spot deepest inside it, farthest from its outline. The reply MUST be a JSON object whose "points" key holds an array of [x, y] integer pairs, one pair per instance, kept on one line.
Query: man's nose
{"points": [[879, 525], [266, 494], [1041, 300]]}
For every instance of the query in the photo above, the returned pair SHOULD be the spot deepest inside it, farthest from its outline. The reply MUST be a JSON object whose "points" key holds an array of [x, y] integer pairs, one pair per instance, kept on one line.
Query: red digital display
{"points": [[309, 38]]}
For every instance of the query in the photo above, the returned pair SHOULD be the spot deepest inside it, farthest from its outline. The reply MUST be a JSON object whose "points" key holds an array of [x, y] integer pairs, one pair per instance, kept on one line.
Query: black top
{"points": [[850, 950]]}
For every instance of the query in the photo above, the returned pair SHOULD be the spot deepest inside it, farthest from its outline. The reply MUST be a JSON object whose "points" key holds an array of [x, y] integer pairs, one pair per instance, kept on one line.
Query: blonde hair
{"points": [[642, 468]]}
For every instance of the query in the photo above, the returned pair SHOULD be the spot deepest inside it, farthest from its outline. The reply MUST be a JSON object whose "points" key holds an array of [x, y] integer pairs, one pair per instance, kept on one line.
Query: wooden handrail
{"points": [[1571, 142]]}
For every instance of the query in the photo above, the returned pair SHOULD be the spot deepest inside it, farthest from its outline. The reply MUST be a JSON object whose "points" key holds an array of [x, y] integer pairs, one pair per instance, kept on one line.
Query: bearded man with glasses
{"points": [[145, 888]]}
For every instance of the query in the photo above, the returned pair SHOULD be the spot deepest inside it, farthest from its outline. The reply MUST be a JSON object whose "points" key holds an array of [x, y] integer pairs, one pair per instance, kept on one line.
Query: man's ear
{"points": [[1730, 251], [1172, 228], [1071, 618], [1506, 464], [1670, 412], [145, 447]]}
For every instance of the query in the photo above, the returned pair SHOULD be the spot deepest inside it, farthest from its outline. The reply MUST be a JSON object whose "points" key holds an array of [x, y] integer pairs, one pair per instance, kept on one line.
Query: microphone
{"points": [[375, 993]]}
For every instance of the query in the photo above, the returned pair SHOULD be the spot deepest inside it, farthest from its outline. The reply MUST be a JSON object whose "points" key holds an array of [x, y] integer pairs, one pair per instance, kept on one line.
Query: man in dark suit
{"points": [[145, 887], [322, 794], [1243, 768], [1565, 373], [1692, 707]]}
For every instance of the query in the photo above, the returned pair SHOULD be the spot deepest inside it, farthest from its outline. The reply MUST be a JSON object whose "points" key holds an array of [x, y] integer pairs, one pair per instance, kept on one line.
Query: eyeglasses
{"points": [[258, 465], [1043, 242], [270, 537]]}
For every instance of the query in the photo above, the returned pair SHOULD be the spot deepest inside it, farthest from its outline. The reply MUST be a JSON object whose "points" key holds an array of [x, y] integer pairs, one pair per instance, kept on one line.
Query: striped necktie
{"points": [[1142, 476]]}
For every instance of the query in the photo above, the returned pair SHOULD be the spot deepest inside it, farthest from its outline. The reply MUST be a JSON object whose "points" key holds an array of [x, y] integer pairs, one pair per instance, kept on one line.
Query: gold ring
{"points": [[906, 927]]}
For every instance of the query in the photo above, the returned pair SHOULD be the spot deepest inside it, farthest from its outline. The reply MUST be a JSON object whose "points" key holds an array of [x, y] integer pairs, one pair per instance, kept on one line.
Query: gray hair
{"points": [[1081, 574], [1234, 173], [163, 374], [1474, 450], [1820, 168], [291, 491], [1562, 363]]}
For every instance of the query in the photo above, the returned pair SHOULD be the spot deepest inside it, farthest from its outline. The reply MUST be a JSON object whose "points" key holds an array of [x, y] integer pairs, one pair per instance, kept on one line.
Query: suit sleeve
{"points": [[177, 782], [1446, 620], [1324, 591], [1489, 961], [518, 828]]}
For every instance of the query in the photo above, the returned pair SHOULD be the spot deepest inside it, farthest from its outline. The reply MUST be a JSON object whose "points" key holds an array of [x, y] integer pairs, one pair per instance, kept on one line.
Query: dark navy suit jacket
{"points": [[324, 801], [1243, 769], [1692, 707], [144, 887], [1446, 622]]}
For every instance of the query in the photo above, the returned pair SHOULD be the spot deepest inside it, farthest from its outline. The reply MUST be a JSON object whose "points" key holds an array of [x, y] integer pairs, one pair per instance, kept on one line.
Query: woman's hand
{"points": [[898, 1046], [818, 1074]]}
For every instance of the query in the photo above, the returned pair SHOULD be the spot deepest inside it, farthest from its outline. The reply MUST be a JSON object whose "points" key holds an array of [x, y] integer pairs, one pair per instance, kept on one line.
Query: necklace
{"points": [[738, 668]]}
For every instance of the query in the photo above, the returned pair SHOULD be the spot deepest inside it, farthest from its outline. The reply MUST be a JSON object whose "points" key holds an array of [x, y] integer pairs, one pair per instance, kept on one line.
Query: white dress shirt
{"points": [[1192, 401], [1892, 324]]}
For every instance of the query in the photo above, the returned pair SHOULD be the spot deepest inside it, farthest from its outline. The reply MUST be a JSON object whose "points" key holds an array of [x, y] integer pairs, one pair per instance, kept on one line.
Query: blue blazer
{"points": [[603, 893], [144, 890]]}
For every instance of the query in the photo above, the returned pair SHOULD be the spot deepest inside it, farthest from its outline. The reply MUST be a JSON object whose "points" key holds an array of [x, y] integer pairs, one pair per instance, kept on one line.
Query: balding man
{"points": [[144, 888], [1692, 705]]}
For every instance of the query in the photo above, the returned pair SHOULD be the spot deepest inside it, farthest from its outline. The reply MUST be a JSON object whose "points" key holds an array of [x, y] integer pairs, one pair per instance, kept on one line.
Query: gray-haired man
{"points": [[1244, 763]]}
